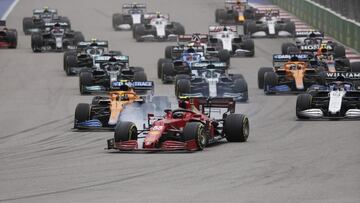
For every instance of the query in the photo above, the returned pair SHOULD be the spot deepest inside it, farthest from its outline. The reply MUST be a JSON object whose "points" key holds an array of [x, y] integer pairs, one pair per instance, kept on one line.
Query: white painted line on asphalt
{"points": [[8, 11]]}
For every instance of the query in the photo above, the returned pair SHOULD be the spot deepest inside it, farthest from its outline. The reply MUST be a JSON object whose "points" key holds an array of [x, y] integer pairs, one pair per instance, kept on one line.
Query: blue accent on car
{"points": [[90, 123]]}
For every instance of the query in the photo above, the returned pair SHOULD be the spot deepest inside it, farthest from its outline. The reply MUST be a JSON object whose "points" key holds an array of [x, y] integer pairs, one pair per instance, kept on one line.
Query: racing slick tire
{"points": [[167, 70], [117, 19], [303, 102], [183, 86], [270, 80], [195, 131], [125, 131], [224, 56], [290, 28], [217, 11], [250, 27], [137, 69], [12, 38], [85, 79], [237, 76], [261, 74], [339, 51], [168, 52], [236, 128], [78, 37], [355, 67], [179, 77], [285, 46], [140, 76], [222, 17], [66, 54], [160, 64], [36, 42], [178, 28], [82, 113], [27, 24], [139, 31], [66, 20], [293, 50], [249, 45], [240, 86], [70, 61]]}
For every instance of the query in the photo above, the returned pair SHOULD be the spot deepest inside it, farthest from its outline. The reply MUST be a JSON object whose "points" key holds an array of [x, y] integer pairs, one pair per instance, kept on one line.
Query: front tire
{"points": [[236, 128], [125, 131], [195, 131]]}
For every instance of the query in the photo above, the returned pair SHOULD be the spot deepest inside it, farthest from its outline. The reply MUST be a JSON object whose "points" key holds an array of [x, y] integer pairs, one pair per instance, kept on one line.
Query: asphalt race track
{"points": [[43, 160]]}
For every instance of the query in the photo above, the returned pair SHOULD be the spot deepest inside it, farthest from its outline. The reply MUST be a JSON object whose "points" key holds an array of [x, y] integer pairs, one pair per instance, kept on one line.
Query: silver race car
{"points": [[131, 14]]}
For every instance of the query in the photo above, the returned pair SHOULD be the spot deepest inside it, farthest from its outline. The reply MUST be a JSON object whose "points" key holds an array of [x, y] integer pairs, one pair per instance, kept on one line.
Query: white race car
{"points": [[269, 23], [157, 27], [227, 38]]}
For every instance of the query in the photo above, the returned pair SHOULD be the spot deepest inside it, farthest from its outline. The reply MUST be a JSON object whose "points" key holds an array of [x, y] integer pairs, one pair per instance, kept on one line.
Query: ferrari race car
{"points": [[55, 37], [227, 38], [84, 55], [157, 27], [108, 72], [235, 12], [290, 74], [8, 37], [188, 128], [269, 24], [338, 99], [131, 14], [124, 104], [40, 17], [210, 79]]}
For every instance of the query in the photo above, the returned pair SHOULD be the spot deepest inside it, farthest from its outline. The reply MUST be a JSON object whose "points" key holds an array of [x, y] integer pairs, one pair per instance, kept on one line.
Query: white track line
{"points": [[8, 11]]}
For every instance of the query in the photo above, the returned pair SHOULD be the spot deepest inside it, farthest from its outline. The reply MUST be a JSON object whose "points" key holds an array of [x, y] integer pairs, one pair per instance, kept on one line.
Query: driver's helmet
{"points": [[124, 97], [93, 40], [195, 38], [184, 103], [178, 114], [158, 14], [190, 50], [135, 5], [46, 9], [238, 2]]}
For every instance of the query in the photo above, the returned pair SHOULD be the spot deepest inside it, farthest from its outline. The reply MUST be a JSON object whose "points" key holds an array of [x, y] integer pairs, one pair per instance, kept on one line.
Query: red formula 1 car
{"points": [[188, 128], [8, 37]]}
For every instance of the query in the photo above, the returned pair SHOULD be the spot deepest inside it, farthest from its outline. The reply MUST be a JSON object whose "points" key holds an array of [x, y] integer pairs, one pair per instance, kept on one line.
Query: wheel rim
{"points": [[201, 138], [246, 129]]}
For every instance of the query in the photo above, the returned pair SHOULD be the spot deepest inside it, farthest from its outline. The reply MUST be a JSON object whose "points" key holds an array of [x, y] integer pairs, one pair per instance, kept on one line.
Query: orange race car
{"points": [[290, 74], [124, 104]]}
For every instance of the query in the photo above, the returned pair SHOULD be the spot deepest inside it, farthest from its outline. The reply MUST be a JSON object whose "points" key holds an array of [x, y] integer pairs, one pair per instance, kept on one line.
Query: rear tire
{"points": [[36, 42], [12, 37], [140, 76], [117, 19], [139, 31], [195, 130], [85, 79], [249, 45], [224, 56], [240, 86], [167, 70], [168, 52], [183, 86], [355, 67], [125, 131], [160, 64], [27, 24], [339, 51], [236, 128], [70, 61]]}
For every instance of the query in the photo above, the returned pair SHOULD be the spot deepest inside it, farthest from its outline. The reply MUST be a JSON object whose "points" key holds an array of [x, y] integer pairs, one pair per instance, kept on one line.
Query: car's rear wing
{"points": [[233, 2], [85, 44], [215, 102], [134, 6], [149, 16], [105, 59], [300, 34], [209, 65], [197, 37], [181, 49], [60, 24], [315, 47], [279, 59], [349, 76], [263, 11], [40, 11], [219, 28], [125, 85]]}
